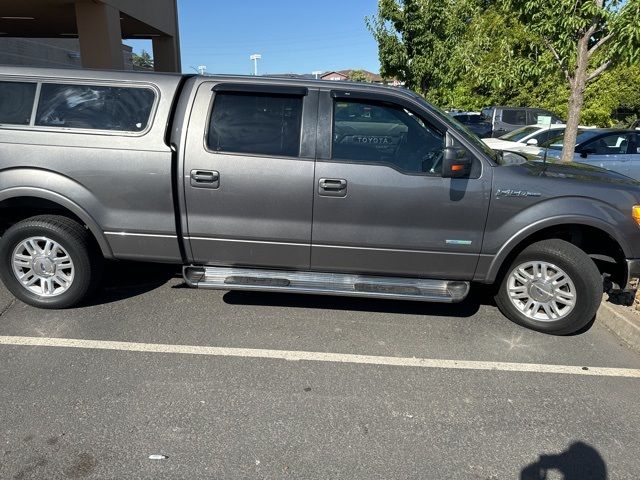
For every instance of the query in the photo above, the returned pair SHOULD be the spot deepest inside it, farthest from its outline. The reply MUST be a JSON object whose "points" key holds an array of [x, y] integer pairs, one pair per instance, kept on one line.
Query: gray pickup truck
{"points": [[296, 186]]}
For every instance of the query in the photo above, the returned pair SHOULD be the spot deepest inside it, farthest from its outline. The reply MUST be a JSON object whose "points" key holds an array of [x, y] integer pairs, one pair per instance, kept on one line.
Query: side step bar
{"points": [[232, 278]]}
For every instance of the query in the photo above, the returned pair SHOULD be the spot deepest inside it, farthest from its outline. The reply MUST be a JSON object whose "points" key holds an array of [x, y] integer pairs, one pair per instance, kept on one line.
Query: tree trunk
{"points": [[577, 82]]}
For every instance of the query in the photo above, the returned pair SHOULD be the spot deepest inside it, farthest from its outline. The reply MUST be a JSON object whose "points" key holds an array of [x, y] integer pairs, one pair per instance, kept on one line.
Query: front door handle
{"points": [[332, 187], [205, 179]]}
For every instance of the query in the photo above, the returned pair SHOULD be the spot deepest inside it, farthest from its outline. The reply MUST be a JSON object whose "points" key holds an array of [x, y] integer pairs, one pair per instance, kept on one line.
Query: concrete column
{"points": [[100, 35], [166, 54]]}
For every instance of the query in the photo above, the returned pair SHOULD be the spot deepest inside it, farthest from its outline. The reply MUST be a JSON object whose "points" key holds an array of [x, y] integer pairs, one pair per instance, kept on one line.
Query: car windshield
{"points": [[469, 118], [519, 134], [557, 141]]}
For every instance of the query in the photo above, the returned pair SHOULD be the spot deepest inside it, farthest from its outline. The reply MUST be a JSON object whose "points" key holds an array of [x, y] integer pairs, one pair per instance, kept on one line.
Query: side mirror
{"points": [[456, 163], [533, 142], [587, 151]]}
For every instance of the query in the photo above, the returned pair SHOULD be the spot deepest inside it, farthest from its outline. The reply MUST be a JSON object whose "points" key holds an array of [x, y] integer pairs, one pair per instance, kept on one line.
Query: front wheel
{"points": [[552, 286], [49, 261]]}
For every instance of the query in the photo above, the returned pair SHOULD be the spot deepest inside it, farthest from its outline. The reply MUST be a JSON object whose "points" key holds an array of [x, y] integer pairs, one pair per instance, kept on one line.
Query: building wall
{"points": [[48, 52]]}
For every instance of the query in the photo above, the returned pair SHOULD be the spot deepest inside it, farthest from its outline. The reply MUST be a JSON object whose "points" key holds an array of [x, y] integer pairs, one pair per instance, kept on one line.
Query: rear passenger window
{"points": [[16, 102], [380, 133], [260, 124], [514, 117], [124, 109]]}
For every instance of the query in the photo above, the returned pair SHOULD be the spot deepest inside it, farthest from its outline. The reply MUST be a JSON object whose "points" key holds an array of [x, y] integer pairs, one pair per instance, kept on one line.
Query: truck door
{"points": [[381, 205], [248, 175]]}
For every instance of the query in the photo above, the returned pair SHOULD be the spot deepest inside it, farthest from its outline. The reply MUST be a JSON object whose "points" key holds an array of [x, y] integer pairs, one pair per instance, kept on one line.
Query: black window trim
{"points": [[212, 102], [364, 97], [264, 88], [83, 82]]}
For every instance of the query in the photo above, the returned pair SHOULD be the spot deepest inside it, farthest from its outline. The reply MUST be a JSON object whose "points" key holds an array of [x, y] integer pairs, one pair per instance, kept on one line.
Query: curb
{"points": [[622, 321]]}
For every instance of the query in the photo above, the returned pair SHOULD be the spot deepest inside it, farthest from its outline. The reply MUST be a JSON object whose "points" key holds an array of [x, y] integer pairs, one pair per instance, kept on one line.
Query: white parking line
{"points": [[319, 356]]}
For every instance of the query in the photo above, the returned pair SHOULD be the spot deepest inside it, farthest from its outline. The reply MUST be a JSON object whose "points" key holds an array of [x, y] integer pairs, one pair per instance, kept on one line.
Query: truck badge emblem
{"points": [[516, 193]]}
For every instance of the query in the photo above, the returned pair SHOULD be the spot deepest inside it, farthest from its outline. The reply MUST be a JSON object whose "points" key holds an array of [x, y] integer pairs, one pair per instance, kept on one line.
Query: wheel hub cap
{"points": [[43, 266], [541, 291]]}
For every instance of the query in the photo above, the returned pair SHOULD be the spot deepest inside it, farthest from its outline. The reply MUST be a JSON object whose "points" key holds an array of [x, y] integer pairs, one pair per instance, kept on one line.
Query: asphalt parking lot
{"points": [[248, 385]]}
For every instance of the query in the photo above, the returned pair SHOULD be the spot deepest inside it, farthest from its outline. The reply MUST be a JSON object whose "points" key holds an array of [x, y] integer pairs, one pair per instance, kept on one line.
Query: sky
{"points": [[293, 36]]}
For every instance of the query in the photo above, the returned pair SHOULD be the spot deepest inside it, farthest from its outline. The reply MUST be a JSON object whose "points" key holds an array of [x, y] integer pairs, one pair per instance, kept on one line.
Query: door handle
{"points": [[205, 178], [332, 187], [333, 184]]}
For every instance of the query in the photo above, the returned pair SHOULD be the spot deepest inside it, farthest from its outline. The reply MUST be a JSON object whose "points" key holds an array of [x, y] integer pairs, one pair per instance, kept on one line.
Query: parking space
{"points": [[227, 413]]}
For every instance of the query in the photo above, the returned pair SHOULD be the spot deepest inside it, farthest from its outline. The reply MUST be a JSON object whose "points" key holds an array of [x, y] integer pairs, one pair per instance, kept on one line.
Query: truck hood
{"points": [[536, 166]]}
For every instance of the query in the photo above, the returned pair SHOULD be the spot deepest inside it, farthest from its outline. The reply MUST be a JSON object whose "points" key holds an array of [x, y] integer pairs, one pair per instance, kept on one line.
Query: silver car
{"points": [[613, 149]]}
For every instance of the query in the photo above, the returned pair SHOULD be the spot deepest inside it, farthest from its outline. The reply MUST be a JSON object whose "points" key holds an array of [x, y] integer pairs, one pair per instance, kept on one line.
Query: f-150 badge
{"points": [[516, 193]]}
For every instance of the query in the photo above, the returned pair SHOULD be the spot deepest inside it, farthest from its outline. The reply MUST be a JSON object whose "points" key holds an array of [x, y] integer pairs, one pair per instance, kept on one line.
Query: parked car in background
{"points": [[474, 121], [614, 149], [526, 139], [635, 125], [506, 119]]}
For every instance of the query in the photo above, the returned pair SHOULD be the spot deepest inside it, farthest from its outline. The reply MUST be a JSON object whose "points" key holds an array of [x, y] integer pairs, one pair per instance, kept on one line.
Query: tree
{"points": [[482, 55], [585, 37], [359, 76], [461, 53], [144, 61]]}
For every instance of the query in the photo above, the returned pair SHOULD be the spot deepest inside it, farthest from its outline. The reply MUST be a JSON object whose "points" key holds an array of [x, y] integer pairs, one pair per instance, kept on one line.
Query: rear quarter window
{"points": [[95, 107], [16, 102]]}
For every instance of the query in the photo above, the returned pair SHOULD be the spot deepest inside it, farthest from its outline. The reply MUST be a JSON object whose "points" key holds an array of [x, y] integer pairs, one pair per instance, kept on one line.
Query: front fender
{"points": [[51, 186], [551, 213]]}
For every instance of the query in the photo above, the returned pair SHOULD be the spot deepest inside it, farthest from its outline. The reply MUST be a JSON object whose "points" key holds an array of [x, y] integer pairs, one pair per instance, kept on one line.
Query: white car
{"points": [[526, 139]]}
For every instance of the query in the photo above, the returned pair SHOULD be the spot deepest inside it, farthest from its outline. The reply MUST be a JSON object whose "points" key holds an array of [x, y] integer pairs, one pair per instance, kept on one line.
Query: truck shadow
{"points": [[122, 280], [478, 296], [579, 462]]}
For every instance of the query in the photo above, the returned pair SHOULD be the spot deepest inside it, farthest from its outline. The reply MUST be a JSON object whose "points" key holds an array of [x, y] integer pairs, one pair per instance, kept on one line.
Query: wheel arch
{"points": [[40, 200], [595, 237]]}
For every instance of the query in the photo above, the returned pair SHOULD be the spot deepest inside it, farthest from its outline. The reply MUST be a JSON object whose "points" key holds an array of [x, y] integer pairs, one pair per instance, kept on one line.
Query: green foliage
{"points": [[359, 76], [144, 61], [473, 53]]}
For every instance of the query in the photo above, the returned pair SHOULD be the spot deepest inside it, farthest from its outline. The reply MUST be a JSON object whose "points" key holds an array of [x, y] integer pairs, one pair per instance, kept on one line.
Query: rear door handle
{"points": [[333, 184], [332, 187], [205, 179]]}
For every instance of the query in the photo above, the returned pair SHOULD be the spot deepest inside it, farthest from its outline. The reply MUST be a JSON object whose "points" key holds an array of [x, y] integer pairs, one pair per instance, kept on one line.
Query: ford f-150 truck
{"points": [[259, 183]]}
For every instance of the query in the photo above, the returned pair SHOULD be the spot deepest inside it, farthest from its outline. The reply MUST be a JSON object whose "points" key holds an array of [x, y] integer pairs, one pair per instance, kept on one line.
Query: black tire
{"points": [[71, 236], [583, 273]]}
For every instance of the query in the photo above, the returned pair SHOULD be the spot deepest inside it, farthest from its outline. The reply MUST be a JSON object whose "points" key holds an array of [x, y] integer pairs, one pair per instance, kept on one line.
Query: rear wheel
{"points": [[49, 261], [552, 286]]}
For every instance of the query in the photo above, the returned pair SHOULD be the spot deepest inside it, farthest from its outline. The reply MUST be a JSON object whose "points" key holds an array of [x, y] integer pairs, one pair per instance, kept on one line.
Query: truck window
{"points": [[16, 102], [377, 133], [514, 116], [124, 109], [255, 123]]}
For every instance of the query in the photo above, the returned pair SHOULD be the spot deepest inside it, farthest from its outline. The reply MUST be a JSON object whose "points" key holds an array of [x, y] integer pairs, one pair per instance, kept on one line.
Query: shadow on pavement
{"points": [[122, 280], [479, 295], [579, 462]]}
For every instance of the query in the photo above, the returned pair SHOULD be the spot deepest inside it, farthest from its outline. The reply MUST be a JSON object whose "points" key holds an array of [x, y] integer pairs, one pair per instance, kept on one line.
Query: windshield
{"points": [[519, 134], [470, 118]]}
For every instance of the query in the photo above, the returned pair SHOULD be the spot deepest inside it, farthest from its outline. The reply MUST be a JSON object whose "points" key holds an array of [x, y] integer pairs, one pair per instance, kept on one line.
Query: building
{"points": [[98, 27], [49, 52], [342, 75]]}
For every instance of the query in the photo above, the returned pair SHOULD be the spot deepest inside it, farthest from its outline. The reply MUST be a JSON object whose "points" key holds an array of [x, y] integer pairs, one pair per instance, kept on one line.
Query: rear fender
{"points": [[58, 189]]}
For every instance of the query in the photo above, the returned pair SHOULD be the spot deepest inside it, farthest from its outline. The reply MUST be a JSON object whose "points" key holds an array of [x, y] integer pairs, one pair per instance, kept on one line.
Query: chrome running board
{"points": [[233, 278]]}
